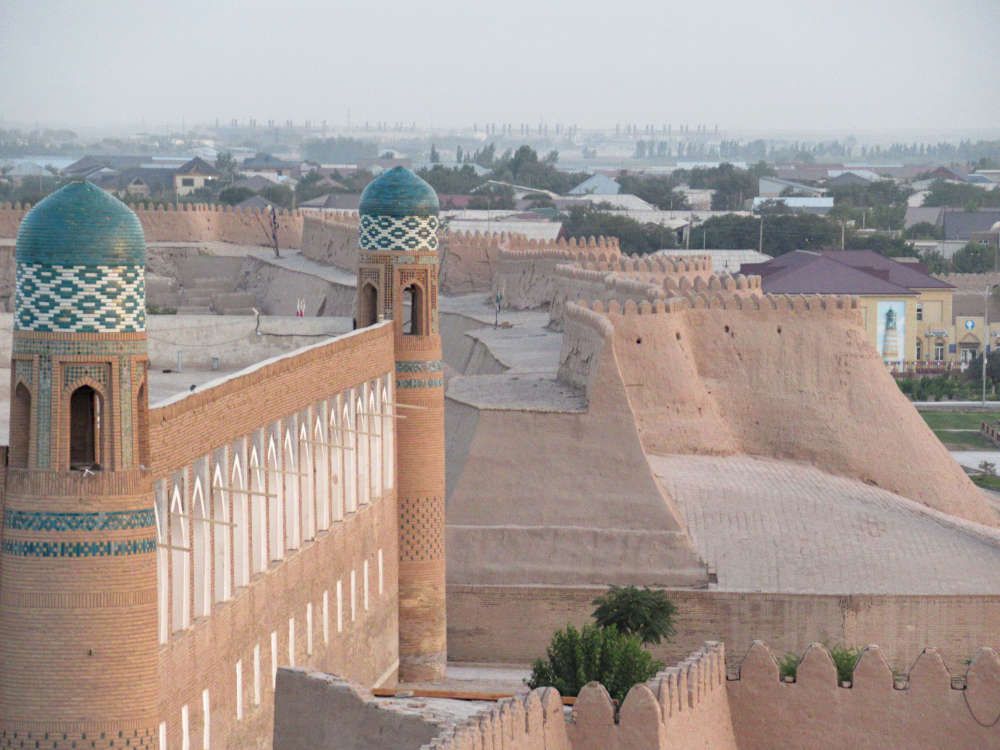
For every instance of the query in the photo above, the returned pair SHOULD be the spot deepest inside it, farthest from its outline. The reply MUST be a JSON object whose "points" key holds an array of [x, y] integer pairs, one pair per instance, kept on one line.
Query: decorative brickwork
{"points": [[389, 233], [23, 520], [421, 529], [80, 299]]}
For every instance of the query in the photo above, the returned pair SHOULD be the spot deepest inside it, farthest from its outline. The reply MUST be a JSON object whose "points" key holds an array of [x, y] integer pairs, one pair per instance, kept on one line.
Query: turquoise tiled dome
{"points": [[80, 224], [398, 193]]}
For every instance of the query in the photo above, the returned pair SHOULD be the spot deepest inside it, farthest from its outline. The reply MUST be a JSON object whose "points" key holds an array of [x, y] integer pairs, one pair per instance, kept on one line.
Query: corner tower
{"points": [[78, 635], [398, 281]]}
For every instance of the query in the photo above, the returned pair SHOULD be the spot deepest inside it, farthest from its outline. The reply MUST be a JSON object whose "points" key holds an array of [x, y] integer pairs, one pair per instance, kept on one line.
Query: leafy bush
{"points": [[789, 665], [844, 659], [643, 612], [576, 657]]}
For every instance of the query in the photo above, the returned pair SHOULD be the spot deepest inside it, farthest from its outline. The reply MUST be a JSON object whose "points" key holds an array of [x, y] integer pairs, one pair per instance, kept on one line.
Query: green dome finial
{"points": [[80, 224], [398, 192], [399, 212]]}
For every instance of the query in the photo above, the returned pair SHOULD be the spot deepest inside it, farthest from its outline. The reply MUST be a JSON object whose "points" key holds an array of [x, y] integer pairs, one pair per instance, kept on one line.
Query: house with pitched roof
{"points": [[907, 314]]}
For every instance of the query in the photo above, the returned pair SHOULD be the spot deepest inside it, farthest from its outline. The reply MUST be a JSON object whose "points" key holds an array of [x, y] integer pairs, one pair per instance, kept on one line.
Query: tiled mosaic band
{"points": [[80, 299], [433, 365], [414, 383], [404, 234], [119, 548], [24, 520]]}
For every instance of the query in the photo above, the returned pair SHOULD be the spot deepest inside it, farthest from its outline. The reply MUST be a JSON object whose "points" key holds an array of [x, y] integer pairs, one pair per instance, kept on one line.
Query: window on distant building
{"points": [[920, 311], [920, 349], [187, 181], [938, 350]]}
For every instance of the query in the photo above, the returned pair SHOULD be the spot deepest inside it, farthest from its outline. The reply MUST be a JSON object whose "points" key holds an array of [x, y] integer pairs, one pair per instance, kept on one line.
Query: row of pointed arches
{"points": [[248, 505]]}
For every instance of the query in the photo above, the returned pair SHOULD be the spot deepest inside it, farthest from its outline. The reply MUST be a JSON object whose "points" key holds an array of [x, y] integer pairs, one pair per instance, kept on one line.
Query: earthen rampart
{"points": [[331, 238], [277, 542], [668, 351], [193, 222], [525, 268], [641, 279]]}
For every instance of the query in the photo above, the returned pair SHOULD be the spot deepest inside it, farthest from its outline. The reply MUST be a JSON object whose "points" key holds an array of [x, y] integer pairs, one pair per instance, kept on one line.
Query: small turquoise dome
{"points": [[398, 193], [81, 225]]}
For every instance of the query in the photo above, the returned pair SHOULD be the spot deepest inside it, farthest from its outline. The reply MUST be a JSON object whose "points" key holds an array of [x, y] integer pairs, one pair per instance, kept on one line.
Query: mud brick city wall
{"points": [[318, 584], [193, 222], [512, 624]]}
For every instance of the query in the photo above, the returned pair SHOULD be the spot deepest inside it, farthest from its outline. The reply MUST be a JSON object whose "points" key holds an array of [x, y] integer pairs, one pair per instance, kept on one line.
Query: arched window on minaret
{"points": [[142, 425], [20, 427], [413, 306], [367, 305], [85, 407]]}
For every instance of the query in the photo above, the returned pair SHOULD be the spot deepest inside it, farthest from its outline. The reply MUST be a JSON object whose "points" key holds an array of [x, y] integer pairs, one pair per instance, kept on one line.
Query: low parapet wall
{"points": [[689, 706], [924, 710], [193, 222], [640, 280]]}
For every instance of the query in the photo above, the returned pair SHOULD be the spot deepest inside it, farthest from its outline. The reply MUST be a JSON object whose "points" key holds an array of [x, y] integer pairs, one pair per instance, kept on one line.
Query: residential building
{"points": [[772, 187], [597, 184], [194, 175], [807, 205], [906, 313]]}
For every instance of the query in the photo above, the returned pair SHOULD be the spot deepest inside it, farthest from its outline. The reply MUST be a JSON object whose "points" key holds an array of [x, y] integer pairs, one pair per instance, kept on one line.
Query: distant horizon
{"points": [[767, 67]]}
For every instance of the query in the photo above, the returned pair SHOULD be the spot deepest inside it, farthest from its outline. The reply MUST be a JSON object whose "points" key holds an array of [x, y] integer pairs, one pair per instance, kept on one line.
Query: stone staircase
{"points": [[202, 296]]}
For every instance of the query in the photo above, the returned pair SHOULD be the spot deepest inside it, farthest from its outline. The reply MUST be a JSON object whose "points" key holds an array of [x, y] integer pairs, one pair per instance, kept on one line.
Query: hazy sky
{"points": [[850, 64]]}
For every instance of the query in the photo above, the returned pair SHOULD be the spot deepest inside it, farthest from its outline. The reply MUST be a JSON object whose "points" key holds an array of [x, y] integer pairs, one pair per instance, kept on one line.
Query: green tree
{"points": [[226, 163], [973, 258], [233, 195], [634, 237], [924, 230], [961, 195], [279, 195], [642, 612], [935, 262], [452, 181], [656, 189], [435, 156], [576, 657], [309, 187]]}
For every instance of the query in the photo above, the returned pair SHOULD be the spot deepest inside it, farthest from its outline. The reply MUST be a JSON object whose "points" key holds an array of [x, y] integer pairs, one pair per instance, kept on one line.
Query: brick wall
{"points": [[330, 602], [513, 624]]}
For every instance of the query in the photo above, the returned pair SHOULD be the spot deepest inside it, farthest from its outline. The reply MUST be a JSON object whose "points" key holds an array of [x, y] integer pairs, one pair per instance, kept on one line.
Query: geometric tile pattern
{"points": [[23, 370], [23, 520], [392, 233], [413, 383], [79, 549], [74, 373], [80, 299], [433, 365]]}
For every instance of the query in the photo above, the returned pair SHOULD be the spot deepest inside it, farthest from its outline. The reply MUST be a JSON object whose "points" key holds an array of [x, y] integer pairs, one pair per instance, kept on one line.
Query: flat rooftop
{"points": [[778, 526]]}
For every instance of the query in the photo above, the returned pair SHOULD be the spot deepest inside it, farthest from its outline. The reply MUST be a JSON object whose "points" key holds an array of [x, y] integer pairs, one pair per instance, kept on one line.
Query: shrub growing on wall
{"points": [[576, 657], [643, 612]]}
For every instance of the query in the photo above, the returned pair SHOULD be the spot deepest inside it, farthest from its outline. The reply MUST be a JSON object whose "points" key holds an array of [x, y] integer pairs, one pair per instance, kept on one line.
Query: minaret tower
{"points": [[78, 635], [398, 281]]}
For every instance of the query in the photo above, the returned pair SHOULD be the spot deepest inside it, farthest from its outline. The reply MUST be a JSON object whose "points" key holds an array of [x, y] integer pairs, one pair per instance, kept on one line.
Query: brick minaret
{"points": [[78, 634], [398, 281]]}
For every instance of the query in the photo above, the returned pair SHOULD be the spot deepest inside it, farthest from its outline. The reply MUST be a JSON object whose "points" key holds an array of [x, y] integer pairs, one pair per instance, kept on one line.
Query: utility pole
{"points": [[986, 334], [760, 240], [843, 224]]}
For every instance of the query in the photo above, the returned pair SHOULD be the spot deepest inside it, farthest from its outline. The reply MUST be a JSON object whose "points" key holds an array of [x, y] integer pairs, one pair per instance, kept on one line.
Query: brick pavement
{"points": [[776, 526]]}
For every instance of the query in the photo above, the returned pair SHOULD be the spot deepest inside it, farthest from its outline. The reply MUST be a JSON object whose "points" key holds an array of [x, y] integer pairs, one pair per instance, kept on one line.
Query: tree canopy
{"points": [[635, 237]]}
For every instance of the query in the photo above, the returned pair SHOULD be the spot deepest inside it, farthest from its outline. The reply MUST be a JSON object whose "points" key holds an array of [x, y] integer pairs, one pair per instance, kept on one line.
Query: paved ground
{"points": [[972, 459], [768, 525], [528, 351]]}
